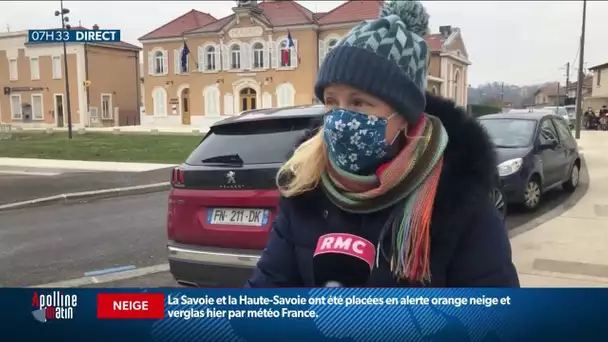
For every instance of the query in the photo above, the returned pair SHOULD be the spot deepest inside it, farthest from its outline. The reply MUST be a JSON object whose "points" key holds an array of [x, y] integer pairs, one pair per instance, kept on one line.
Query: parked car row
{"points": [[224, 198], [568, 113], [536, 152]]}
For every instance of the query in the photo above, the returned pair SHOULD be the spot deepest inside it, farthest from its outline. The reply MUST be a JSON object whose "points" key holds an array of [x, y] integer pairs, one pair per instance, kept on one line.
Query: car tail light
{"points": [[177, 179]]}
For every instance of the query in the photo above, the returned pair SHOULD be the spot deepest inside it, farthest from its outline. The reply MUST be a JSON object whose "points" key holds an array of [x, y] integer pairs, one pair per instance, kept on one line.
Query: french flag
{"points": [[286, 53]]}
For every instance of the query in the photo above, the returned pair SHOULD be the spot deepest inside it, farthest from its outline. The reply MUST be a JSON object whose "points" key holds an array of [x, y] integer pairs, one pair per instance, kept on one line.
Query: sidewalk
{"points": [[80, 165], [141, 129], [19, 189], [572, 249]]}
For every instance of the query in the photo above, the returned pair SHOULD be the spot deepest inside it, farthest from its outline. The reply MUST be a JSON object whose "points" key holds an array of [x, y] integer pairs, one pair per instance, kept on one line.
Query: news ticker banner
{"points": [[72, 36], [326, 314]]}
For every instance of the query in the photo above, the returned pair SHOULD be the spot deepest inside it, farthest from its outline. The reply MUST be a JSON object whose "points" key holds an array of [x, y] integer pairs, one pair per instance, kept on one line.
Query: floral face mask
{"points": [[355, 142]]}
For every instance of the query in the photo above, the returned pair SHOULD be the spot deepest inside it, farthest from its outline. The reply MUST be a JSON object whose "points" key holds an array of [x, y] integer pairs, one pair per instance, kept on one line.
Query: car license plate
{"points": [[238, 217]]}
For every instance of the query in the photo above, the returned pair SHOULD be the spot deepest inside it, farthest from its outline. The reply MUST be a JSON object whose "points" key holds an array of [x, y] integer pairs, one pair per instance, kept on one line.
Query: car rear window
{"points": [[257, 142]]}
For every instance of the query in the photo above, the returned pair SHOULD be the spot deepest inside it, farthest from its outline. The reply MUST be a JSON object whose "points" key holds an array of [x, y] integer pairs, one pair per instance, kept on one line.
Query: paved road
{"points": [[57, 243], [516, 218], [48, 244]]}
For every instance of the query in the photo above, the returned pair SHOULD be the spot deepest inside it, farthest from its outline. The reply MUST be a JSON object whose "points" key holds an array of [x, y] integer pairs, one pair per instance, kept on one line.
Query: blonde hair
{"points": [[303, 170]]}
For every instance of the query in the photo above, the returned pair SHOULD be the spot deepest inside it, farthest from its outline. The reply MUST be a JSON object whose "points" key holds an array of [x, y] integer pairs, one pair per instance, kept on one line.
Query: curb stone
{"points": [[86, 196], [106, 278]]}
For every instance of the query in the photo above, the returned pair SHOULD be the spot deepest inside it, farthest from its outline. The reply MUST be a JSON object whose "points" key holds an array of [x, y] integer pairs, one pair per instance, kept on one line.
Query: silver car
{"points": [[566, 112]]}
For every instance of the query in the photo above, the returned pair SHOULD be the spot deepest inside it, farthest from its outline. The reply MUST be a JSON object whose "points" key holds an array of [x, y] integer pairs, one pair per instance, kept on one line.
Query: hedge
{"points": [[480, 110]]}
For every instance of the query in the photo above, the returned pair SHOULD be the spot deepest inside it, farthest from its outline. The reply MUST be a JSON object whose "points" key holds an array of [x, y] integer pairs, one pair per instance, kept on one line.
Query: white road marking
{"points": [[107, 278], [109, 270]]}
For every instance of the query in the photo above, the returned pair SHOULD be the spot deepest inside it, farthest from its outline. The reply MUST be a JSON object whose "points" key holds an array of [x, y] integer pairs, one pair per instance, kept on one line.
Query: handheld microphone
{"points": [[343, 260]]}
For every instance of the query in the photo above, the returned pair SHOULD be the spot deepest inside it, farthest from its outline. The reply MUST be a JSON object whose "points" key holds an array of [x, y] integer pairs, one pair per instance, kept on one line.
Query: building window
{"points": [[208, 58], [326, 45], [258, 55], [56, 67], [158, 63], [34, 68], [106, 107], [159, 98], [210, 61], [235, 57], [285, 95], [13, 70], [211, 95], [16, 107], [37, 107], [599, 77]]}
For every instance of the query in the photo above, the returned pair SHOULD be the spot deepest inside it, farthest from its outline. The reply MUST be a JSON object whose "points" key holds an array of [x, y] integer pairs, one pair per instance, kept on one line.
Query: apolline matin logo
{"points": [[53, 306]]}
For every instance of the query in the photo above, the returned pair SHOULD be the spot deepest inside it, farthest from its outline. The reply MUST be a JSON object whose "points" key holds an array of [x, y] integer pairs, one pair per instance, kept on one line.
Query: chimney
{"points": [[95, 27], [445, 31]]}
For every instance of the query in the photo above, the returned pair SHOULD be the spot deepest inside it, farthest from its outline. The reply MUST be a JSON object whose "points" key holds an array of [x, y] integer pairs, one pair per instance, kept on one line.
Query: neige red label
{"points": [[130, 306]]}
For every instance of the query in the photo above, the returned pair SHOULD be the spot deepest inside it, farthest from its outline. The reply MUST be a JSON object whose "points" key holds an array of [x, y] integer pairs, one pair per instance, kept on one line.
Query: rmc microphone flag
{"points": [[343, 260], [320, 314]]}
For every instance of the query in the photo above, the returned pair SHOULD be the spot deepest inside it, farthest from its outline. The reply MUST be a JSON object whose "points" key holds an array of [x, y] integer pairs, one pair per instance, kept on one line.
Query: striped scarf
{"points": [[409, 181]]}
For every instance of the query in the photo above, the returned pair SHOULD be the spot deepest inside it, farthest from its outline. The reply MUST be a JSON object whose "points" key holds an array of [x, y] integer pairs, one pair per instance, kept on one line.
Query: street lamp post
{"points": [[65, 26], [581, 76]]}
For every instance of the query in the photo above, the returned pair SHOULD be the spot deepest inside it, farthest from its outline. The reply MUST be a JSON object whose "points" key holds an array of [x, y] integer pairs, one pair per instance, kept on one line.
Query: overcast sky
{"points": [[519, 42]]}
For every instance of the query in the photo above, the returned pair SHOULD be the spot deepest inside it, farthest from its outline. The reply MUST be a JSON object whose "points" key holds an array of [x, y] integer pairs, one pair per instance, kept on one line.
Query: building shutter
{"points": [[321, 51], [165, 62], [294, 54]]}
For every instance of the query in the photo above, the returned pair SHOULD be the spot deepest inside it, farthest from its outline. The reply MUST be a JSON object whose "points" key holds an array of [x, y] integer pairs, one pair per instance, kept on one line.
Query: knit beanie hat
{"points": [[386, 57]]}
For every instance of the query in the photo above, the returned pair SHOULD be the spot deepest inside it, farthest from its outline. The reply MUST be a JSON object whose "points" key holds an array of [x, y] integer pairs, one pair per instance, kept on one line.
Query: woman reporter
{"points": [[405, 170]]}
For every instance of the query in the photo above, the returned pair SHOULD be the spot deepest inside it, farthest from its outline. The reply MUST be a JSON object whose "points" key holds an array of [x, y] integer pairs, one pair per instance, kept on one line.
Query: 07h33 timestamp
{"points": [[48, 36]]}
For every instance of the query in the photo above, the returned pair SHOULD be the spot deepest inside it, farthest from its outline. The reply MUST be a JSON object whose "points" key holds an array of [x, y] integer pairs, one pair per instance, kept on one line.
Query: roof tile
{"points": [[284, 13], [318, 15], [175, 28], [214, 26], [587, 83], [434, 41], [352, 11], [599, 66], [550, 89]]}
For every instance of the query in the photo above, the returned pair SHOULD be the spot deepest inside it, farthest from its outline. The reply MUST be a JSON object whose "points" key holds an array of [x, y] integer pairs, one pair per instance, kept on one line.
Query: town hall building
{"points": [[264, 55]]}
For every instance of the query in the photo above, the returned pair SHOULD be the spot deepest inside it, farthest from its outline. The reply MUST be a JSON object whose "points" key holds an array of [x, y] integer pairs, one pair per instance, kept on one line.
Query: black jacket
{"points": [[469, 242]]}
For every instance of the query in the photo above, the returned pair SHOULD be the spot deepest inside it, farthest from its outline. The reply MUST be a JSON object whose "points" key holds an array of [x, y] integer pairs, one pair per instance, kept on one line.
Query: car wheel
{"points": [[532, 194], [499, 201], [571, 184]]}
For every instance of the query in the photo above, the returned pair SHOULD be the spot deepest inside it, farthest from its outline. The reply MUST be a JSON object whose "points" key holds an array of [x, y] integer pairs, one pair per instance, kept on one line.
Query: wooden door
{"points": [[248, 99], [185, 107]]}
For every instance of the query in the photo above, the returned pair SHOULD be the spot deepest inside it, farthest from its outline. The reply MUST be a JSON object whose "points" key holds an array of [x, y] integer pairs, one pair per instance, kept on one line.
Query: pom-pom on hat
{"points": [[386, 57]]}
